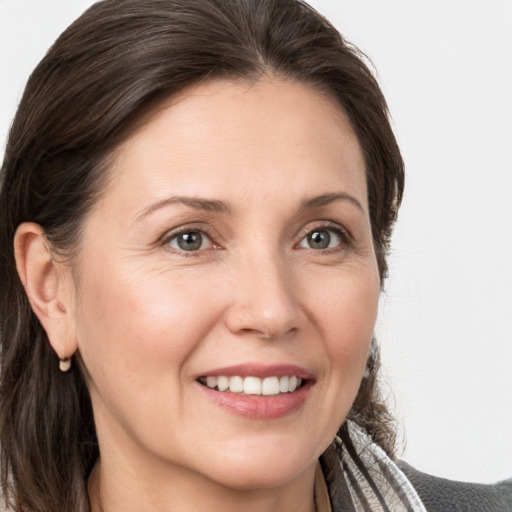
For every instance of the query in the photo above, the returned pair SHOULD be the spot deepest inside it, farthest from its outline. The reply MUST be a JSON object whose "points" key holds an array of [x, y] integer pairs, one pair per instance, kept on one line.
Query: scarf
{"points": [[361, 478]]}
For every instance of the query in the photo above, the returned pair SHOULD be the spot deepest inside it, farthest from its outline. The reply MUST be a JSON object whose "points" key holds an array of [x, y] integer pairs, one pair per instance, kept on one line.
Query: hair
{"points": [[112, 65]]}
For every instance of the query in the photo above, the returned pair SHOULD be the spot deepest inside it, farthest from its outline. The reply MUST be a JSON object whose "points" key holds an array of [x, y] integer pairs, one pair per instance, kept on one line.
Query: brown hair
{"points": [[108, 67]]}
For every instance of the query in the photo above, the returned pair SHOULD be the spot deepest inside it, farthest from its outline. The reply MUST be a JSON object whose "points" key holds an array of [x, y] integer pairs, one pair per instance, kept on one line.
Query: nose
{"points": [[264, 299]]}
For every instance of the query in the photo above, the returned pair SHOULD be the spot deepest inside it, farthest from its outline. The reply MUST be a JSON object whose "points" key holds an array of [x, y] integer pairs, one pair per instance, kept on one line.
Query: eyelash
{"points": [[345, 238], [170, 236]]}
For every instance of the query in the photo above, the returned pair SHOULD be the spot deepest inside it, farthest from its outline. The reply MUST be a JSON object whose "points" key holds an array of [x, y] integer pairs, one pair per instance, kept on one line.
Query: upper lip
{"points": [[259, 370]]}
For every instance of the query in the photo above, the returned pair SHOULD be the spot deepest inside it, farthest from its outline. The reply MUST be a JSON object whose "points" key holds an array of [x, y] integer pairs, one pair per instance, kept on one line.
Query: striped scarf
{"points": [[360, 477]]}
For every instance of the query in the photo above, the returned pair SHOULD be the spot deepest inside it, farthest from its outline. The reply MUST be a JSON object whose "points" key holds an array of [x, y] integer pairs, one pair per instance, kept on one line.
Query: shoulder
{"points": [[441, 495]]}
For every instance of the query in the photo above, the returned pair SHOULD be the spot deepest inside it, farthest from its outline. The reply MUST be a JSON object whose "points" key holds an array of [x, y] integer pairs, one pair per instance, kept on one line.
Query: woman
{"points": [[197, 200]]}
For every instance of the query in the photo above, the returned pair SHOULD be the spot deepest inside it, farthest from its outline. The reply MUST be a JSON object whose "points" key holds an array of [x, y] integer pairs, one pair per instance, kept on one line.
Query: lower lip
{"points": [[259, 407]]}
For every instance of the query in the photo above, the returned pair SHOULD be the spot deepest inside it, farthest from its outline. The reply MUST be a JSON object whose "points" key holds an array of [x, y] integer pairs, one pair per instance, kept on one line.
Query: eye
{"points": [[323, 238], [190, 241]]}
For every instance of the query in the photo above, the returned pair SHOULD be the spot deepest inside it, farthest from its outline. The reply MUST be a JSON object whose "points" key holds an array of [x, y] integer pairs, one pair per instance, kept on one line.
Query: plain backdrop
{"points": [[445, 324]]}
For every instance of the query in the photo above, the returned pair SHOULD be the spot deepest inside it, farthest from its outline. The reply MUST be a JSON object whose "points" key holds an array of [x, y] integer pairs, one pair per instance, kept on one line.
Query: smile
{"points": [[258, 391], [269, 386]]}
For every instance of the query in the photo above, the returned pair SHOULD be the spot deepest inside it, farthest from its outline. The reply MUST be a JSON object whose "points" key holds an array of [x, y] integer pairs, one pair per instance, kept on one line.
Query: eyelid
{"points": [[186, 228], [323, 224], [345, 235]]}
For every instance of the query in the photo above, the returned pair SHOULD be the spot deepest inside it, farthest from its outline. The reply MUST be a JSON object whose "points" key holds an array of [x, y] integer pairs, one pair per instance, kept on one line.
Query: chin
{"points": [[263, 467]]}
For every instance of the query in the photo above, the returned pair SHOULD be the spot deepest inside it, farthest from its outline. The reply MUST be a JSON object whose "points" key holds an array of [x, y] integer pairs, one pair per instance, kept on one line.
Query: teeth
{"points": [[270, 386], [236, 384], [222, 383], [211, 382], [254, 385]]}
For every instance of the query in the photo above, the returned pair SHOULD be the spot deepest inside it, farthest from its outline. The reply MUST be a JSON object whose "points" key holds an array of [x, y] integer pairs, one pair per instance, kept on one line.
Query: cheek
{"points": [[349, 313], [133, 323]]}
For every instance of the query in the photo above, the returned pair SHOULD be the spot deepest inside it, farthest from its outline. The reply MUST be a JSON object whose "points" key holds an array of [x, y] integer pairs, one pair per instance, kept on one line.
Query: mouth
{"points": [[258, 391], [252, 385]]}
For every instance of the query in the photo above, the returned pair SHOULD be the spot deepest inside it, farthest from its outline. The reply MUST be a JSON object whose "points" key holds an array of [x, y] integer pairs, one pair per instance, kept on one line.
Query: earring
{"points": [[65, 364]]}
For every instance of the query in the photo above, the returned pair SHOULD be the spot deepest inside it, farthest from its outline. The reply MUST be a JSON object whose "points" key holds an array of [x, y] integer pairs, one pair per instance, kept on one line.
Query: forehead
{"points": [[225, 133]]}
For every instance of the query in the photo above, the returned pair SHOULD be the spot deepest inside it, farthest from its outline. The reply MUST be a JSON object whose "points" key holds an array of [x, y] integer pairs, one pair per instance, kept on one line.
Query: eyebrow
{"points": [[221, 207], [325, 199], [196, 203]]}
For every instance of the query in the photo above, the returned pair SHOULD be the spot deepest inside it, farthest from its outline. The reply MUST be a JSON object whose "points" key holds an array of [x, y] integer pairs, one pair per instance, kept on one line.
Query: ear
{"points": [[48, 286]]}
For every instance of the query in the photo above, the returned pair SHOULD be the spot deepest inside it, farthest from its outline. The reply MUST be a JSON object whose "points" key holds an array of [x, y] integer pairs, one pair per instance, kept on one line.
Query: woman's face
{"points": [[232, 247]]}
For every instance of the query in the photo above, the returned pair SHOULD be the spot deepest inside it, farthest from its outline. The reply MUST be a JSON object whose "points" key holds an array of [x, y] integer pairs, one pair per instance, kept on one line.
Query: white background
{"points": [[446, 319]]}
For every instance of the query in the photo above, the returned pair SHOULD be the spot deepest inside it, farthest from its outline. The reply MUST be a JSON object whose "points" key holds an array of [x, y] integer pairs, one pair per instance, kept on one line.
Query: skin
{"points": [[148, 317]]}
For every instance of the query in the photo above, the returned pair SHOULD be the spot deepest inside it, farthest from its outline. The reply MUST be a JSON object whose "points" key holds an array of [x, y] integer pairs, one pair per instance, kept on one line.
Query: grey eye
{"points": [[321, 239], [190, 241]]}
